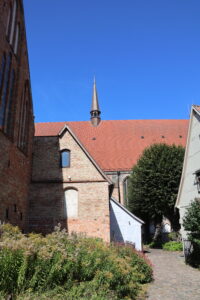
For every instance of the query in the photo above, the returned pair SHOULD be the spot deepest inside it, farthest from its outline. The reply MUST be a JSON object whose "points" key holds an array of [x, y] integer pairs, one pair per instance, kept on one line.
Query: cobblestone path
{"points": [[173, 279]]}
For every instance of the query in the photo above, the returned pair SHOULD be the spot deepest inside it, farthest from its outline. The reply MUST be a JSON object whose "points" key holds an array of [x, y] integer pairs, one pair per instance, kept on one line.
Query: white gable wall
{"points": [[124, 227], [188, 189]]}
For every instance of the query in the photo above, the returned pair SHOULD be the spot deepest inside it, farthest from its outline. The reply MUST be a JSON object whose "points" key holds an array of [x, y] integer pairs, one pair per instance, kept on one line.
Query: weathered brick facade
{"points": [[50, 181], [15, 157]]}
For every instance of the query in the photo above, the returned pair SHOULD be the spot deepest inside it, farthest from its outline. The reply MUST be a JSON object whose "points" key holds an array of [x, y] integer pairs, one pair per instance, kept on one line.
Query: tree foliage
{"points": [[154, 182], [191, 223]]}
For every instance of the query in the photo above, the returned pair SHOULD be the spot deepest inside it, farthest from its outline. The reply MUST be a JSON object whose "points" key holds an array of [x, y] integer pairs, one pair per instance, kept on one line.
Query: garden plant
{"points": [[173, 246], [62, 266], [191, 223]]}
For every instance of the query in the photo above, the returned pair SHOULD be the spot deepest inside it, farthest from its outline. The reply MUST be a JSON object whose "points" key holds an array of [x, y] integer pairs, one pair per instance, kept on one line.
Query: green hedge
{"points": [[70, 267]]}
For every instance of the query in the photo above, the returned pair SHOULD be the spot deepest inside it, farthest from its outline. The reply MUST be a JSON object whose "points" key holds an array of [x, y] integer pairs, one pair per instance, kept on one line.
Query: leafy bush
{"points": [[173, 246], [157, 244], [84, 291], [174, 236], [76, 266], [191, 223]]}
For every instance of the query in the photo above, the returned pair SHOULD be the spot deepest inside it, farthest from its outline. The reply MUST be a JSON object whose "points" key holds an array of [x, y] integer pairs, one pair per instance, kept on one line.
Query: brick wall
{"points": [[15, 165], [50, 180]]}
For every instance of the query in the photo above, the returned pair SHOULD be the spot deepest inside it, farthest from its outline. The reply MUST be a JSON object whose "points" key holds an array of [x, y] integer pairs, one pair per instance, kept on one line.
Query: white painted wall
{"points": [[188, 189], [124, 227]]}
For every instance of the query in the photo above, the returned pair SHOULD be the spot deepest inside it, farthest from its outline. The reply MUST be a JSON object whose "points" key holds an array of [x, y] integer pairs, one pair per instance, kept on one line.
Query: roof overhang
{"points": [[195, 109], [127, 211]]}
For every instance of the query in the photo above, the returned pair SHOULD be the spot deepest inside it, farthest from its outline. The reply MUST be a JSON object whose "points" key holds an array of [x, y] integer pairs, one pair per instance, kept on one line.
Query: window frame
{"points": [[13, 23], [8, 126], [5, 89], [61, 158], [125, 190], [9, 21], [197, 179], [16, 39], [24, 130], [2, 73]]}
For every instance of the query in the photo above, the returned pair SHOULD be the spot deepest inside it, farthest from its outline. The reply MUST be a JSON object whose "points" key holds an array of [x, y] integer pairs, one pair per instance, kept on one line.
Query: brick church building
{"points": [[72, 173], [16, 115]]}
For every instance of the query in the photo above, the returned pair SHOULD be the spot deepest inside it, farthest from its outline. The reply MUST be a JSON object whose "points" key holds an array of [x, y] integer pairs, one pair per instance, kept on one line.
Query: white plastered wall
{"points": [[188, 189], [124, 227]]}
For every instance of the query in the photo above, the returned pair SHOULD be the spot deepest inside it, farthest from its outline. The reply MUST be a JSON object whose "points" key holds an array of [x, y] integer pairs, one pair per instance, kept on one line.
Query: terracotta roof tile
{"points": [[117, 145]]}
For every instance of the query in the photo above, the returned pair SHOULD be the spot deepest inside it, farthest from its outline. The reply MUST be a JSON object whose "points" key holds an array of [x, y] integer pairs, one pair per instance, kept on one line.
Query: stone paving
{"points": [[173, 279]]}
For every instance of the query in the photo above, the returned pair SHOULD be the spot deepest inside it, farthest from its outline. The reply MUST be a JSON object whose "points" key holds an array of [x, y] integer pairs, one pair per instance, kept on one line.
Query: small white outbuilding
{"points": [[124, 226]]}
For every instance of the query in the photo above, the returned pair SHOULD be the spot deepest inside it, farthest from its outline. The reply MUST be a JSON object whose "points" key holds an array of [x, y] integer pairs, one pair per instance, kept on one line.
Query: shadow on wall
{"points": [[47, 196], [115, 232]]}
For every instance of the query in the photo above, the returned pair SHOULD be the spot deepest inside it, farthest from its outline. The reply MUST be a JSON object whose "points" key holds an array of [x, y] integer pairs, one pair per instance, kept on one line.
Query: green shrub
{"points": [[174, 236], [84, 291], [173, 246], [191, 223], [138, 261], [79, 267], [10, 264], [156, 244]]}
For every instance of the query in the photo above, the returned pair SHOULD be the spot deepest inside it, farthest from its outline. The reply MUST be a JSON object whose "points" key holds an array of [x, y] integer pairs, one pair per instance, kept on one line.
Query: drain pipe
{"points": [[118, 183]]}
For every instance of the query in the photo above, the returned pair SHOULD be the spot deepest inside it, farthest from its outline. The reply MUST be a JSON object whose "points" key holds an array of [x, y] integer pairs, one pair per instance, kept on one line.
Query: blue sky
{"points": [[145, 55]]}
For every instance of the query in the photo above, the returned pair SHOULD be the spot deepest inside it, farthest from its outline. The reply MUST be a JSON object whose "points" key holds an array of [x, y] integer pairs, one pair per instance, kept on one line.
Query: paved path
{"points": [[173, 279]]}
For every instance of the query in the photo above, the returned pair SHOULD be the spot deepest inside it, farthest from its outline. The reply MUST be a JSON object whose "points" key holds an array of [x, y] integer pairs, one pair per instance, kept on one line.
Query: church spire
{"points": [[95, 111]]}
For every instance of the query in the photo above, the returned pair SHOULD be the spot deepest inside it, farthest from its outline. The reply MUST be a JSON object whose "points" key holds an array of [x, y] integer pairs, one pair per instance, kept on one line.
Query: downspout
{"points": [[118, 184], [111, 188]]}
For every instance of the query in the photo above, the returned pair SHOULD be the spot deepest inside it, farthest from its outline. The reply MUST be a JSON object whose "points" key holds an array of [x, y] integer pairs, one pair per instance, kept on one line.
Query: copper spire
{"points": [[95, 111]]}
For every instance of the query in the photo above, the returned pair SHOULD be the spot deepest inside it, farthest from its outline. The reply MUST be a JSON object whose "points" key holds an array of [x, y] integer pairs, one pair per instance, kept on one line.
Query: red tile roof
{"points": [[117, 145]]}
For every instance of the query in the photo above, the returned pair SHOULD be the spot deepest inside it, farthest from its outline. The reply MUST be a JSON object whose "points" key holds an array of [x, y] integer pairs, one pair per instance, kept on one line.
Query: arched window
{"points": [[9, 115], [17, 33], [125, 190], [71, 203], [2, 71], [12, 27], [4, 90], [8, 27], [7, 83], [65, 158], [24, 119]]}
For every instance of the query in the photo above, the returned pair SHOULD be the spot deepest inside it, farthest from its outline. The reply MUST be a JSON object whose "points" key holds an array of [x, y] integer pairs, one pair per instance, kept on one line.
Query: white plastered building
{"points": [[189, 188]]}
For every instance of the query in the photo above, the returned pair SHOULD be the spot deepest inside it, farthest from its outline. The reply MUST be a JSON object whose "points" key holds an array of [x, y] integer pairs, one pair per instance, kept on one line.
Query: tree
{"points": [[191, 220], [154, 182], [191, 223]]}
